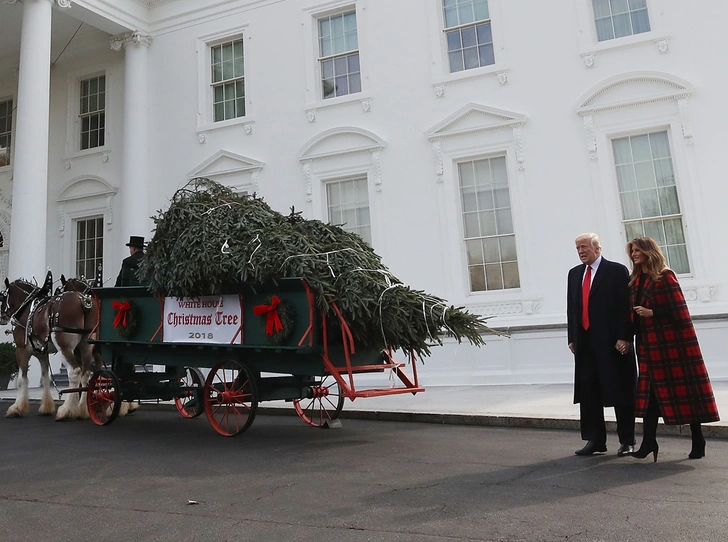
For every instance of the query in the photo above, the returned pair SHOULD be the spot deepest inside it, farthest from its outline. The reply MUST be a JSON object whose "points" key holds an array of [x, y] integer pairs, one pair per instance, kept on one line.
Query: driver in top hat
{"points": [[127, 274]]}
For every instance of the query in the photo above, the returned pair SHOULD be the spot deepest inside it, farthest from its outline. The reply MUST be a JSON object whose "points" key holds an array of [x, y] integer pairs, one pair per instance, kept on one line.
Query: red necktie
{"points": [[585, 287]]}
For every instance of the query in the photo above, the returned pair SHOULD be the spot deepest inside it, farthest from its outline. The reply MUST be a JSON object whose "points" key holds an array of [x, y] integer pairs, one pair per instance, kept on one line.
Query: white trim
{"points": [[369, 142], [497, 119], [675, 88], [73, 128], [590, 47], [205, 118], [475, 132], [440, 70], [244, 172], [309, 16]]}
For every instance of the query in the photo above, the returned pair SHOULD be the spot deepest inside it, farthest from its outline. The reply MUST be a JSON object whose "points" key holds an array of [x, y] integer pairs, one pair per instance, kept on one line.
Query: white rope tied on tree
{"points": [[316, 255], [260, 244]]}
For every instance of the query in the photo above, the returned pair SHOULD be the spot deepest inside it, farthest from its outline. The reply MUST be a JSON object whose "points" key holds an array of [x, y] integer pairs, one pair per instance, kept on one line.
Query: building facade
{"points": [[469, 141]]}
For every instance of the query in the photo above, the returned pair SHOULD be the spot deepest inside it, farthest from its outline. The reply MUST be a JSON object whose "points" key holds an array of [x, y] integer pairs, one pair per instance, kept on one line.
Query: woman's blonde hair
{"points": [[655, 258]]}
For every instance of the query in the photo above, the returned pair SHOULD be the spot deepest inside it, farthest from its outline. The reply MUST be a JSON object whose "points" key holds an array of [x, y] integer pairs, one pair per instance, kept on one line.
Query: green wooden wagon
{"points": [[267, 350]]}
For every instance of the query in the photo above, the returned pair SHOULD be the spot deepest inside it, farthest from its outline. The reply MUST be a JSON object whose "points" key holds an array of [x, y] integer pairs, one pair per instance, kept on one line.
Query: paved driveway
{"points": [[368, 481]]}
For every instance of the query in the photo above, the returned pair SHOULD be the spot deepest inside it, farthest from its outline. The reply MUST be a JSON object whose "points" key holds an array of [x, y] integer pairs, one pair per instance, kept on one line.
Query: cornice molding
{"points": [[474, 118], [60, 3], [667, 87], [347, 140]]}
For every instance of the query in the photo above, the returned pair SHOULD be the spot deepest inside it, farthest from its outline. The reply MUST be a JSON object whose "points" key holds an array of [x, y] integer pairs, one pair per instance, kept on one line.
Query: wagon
{"points": [[260, 342]]}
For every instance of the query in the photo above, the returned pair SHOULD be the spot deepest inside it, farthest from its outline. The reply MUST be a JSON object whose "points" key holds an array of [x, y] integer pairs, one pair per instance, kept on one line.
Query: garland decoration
{"points": [[278, 318], [126, 321]]}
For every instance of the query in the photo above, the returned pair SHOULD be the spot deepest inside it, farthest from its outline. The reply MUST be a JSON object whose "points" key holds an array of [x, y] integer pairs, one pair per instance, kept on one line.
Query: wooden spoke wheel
{"points": [[103, 397], [191, 404], [231, 398], [325, 404]]}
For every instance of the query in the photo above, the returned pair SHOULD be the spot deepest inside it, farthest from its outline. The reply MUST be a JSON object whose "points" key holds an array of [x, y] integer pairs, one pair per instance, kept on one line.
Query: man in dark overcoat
{"points": [[127, 273], [600, 335]]}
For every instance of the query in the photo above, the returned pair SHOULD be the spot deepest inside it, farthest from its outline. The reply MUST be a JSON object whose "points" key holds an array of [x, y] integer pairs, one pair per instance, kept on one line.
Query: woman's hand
{"points": [[643, 311]]}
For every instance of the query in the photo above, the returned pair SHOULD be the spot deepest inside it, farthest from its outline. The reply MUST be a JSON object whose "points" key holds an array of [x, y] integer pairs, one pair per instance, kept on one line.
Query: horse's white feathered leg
{"points": [[47, 404], [20, 407], [69, 408], [83, 401]]}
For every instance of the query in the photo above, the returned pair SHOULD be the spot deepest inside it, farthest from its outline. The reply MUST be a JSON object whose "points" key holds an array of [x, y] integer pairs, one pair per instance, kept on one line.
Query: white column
{"points": [[134, 191], [30, 170]]}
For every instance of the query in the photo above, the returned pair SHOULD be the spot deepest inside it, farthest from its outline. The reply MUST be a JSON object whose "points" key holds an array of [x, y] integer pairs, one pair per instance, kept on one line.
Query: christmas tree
{"points": [[210, 237]]}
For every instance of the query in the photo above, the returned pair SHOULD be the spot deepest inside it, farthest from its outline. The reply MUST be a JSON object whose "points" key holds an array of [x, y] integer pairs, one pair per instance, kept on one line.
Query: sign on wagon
{"points": [[210, 319]]}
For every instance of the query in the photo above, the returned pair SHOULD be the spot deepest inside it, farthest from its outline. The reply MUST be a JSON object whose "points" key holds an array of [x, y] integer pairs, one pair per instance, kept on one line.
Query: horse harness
{"points": [[36, 303]]}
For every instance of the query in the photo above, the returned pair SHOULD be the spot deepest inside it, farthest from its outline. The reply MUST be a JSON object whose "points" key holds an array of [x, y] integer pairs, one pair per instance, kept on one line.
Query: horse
{"points": [[42, 325], [83, 286]]}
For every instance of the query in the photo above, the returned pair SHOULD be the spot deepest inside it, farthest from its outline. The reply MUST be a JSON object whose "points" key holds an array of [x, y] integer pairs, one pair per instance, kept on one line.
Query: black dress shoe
{"points": [[592, 448], [625, 449]]}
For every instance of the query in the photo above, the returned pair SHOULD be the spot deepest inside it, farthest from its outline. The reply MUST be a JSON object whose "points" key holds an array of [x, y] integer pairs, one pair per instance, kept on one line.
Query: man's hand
{"points": [[622, 346], [571, 347]]}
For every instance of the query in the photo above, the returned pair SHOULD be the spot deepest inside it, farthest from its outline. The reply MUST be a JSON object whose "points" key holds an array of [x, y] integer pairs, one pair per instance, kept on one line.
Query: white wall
{"points": [[559, 186]]}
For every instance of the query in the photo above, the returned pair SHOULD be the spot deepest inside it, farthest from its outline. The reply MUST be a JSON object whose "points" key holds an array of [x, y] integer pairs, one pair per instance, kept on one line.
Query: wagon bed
{"points": [[314, 363]]}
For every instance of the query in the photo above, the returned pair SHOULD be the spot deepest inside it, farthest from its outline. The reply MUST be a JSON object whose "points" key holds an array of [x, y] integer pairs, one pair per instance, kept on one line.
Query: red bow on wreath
{"points": [[273, 319], [123, 309]]}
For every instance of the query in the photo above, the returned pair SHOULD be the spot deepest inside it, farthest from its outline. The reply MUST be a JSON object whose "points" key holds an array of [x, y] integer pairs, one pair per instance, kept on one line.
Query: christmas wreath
{"points": [[276, 317], [126, 321]]}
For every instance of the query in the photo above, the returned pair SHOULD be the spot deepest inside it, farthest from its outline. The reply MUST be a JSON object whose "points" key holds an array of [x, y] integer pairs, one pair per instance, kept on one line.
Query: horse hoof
{"points": [[14, 414]]}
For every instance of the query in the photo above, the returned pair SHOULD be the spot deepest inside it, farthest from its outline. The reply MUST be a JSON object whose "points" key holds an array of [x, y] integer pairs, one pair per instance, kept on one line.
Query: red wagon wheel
{"points": [[231, 398], [325, 404], [190, 404], [103, 397]]}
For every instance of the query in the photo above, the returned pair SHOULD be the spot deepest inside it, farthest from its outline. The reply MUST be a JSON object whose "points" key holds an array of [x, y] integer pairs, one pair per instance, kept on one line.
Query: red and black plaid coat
{"points": [[669, 355]]}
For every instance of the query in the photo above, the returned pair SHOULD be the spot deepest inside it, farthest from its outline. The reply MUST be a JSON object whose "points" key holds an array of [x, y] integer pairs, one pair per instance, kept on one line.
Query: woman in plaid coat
{"points": [[673, 381]]}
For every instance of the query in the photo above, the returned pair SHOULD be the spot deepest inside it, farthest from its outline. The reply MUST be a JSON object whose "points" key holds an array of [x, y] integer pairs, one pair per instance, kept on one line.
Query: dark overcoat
{"points": [[609, 321], [669, 355], [127, 273]]}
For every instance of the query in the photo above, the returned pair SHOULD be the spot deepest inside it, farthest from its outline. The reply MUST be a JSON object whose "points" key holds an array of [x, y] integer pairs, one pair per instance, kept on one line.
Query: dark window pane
{"points": [[340, 65], [484, 33], [456, 61], [342, 86], [354, 83], [640, 22], [471, 58], [353, 63], [486, 55], [453, 41], [468, 35]]}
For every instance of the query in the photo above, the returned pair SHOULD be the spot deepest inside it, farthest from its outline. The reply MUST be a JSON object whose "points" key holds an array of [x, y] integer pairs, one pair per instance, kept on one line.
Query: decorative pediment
{"points": [[85, 187], [475, 118], [338, 141], [632, 89], [225, 163]]}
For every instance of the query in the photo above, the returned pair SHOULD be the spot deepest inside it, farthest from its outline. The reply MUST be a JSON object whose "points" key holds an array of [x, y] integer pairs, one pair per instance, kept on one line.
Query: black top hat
{"points": [[136, 241]]}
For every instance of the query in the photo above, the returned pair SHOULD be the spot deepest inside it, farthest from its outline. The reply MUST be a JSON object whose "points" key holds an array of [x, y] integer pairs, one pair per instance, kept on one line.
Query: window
{"points": [[6, 131], [490, 242], [348, 205], [93, 112], [89, 247], [468, 33], [619, 18], [647, 190], [339, 55], [228, 80]]}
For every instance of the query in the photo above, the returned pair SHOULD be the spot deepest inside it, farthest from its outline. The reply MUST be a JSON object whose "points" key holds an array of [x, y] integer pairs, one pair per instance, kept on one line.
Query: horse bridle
{"points": [[30, 296]]}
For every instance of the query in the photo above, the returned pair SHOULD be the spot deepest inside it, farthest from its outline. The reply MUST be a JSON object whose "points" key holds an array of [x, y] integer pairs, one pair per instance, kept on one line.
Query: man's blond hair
{"points": [[593, 238]]}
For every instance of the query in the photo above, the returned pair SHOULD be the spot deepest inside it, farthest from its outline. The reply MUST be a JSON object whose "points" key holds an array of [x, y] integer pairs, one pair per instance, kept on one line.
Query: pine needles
{"points": [[210, 237]]}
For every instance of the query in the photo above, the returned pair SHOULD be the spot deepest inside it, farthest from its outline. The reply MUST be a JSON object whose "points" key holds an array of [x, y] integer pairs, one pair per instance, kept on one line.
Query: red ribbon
{"points": [[123, 309], [273, 319]]}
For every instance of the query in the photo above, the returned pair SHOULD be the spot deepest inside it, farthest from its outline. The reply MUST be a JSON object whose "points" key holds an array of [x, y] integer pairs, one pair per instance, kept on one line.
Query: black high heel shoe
{"points": [[698, 450], [647, 448]]}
